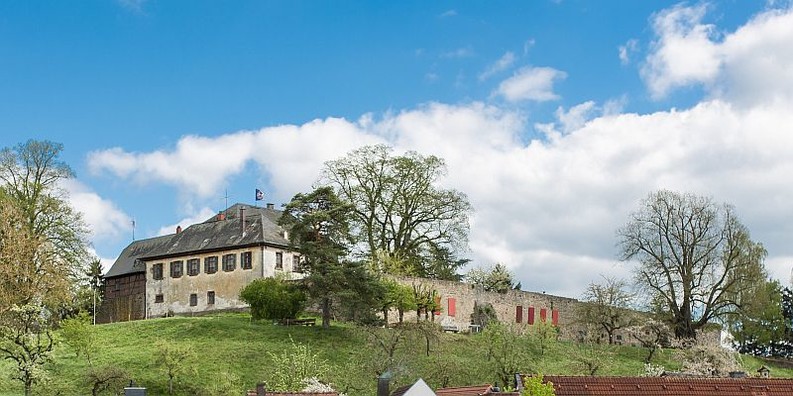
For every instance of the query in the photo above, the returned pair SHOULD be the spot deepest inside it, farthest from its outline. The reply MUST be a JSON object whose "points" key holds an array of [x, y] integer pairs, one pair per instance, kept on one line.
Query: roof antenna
{"points": [[133, 229]]}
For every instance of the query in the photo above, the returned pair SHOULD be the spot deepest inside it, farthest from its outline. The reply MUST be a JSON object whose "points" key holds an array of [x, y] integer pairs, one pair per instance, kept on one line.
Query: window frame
{"points": [[157, 271], [229, 262], [246, 260], [193, 267], [177, 265], [193, 299], [159, 298], [279, 260], [210, 262], [296, 264], [211, 297]]}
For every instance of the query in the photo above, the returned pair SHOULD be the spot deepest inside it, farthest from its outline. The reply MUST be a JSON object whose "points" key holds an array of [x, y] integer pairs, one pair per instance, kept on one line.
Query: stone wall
{"points": [[457, 301]]}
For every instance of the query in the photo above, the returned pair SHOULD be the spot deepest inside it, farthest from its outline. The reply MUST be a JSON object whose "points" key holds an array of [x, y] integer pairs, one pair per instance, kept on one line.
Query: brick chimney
{"points": [[221, 216], [242, 220], [178, 229], [270, 206]]}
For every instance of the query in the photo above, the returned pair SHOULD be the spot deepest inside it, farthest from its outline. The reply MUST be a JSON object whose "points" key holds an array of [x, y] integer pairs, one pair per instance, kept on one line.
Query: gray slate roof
{"points": [[261, 228]]}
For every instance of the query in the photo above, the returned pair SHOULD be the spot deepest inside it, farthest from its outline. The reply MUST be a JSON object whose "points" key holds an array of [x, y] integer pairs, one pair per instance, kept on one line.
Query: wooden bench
{"points": [[299, 322], [451, 328]]}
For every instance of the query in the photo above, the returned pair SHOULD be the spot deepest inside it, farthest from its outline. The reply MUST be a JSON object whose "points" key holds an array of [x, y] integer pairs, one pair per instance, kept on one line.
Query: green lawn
{"points": [[231, 348]]}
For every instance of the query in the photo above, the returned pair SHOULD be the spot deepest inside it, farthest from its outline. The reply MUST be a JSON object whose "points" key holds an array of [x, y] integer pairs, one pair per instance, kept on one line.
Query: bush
{"points": [[273, 299]]}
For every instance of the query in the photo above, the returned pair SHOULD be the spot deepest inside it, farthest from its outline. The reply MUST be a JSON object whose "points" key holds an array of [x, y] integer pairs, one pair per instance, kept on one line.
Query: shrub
{"points": [[273, 299]]}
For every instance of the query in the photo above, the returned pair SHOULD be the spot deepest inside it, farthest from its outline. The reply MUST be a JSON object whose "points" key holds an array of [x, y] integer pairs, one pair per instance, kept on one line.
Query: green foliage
{"points": [[293, 365], [400, 212], [273, 299], [174, 360], [509, 350], [759, 326], [534, 386], [80, 335], [483, 314], [319, 229], [496, 279], [26, 340], [397, 296]]}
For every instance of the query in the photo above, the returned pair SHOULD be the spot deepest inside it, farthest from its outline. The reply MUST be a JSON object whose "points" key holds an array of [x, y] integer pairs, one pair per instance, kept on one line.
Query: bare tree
{"points": [[606, 306], [693, 255]]}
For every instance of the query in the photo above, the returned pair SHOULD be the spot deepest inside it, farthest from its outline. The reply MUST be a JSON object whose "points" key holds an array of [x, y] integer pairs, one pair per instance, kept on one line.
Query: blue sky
{"points": [[555, 117]]}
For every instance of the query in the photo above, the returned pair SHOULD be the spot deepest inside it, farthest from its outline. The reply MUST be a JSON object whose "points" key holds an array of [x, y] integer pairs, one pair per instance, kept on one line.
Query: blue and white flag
{"points": [[259, 195]]}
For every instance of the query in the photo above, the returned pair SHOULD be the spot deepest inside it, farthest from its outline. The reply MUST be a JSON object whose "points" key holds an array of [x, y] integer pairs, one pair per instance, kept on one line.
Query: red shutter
{"points": [[531, 316], [543, 314], [555, 317], [437, 310], [451, 309], [518, 314]]}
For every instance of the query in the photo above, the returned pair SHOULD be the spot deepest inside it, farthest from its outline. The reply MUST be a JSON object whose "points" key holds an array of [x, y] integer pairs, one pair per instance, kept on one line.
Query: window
{"points": [[246, 260], [176, 269], [451, 308], [158, 298], [518, 314], [279, 260], [156, 271], [193, 267], [296, 264], [210, 298], [193, 300], [229, 262], [211, 264]]}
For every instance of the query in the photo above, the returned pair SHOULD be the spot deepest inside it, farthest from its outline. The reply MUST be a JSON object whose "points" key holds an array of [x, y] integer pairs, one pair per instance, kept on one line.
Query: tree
{"points": [[693, 256], [508, 349], [652, 335], [606, 306], [273, 299], [397, 296], [173, 359], [31, 173], [534, 386], [496, 279], [26, 339], [318, 228], [80, 335], [759, 326], [294, 365], [399, 211]]}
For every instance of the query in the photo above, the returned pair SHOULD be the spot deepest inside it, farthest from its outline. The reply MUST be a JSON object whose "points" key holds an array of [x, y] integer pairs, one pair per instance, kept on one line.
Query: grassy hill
{"points": [[231, 350]]}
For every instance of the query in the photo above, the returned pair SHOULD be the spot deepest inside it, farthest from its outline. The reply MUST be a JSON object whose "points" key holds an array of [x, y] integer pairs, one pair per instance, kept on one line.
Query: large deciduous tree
{"points": [[694, 256], [399, 211]]}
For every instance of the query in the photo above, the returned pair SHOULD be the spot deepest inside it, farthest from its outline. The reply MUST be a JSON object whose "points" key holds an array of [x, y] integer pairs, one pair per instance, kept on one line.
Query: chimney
{"points": [[221, 216], [382, 383], [178, 229], [270, 206]]}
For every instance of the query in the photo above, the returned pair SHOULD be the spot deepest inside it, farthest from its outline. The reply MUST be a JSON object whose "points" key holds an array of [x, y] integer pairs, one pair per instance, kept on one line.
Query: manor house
{"points": [[198, 269]]}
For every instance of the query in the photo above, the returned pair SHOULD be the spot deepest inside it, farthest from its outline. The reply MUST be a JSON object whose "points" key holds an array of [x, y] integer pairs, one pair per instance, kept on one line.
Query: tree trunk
{"points": [[326, 313], [401, 315], [385, 316]]}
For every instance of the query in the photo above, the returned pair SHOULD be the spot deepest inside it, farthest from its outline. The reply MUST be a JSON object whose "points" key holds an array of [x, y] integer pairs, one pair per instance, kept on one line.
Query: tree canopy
{"points": [[399, 211], [606, 306], [693, 257]]}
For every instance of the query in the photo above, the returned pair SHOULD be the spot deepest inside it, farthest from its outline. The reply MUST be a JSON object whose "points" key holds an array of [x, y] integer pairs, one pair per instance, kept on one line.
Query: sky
{"points": [[555, 117]]}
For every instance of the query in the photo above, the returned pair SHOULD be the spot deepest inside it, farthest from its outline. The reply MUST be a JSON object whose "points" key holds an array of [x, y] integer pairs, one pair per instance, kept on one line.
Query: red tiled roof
{"points": [[476, 390], [669, 386]]}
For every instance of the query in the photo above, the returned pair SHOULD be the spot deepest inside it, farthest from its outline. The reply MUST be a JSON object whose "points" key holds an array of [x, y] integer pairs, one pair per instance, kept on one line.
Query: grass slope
{"points": [[230, 348]]}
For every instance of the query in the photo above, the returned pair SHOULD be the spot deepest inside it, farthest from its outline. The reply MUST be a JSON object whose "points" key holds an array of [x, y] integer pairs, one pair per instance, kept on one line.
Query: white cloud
{"points": [[547, 208], [104, 219], [531, 83], [503, 63], [198, 217], [626, 50], [750, 65], [135, 6], [449, 13]]}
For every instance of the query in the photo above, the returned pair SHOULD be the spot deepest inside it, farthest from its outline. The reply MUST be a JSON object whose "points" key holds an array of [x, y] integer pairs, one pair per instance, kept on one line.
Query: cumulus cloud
{"points": [[198, 217], [531, 83], [104, 219], [503, 63], [548, 207], [752, 64]]}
